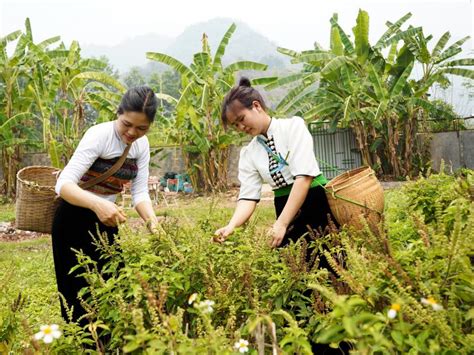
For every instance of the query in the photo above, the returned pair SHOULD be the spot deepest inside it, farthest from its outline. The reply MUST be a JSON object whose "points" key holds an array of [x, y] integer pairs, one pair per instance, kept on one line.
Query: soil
{"points": [[8, 232]]}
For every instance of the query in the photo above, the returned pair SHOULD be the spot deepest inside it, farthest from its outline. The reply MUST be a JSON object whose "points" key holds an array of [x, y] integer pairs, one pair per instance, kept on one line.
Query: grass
{"points": [[7, 212], [191, 209], [26, 267]]}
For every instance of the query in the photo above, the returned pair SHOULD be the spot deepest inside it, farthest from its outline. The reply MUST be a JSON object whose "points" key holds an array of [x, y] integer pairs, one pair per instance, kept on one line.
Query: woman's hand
{"points": [[147, 213], [242, 213], [153, 224], [277, 233], [109, 213], [221, 234]]}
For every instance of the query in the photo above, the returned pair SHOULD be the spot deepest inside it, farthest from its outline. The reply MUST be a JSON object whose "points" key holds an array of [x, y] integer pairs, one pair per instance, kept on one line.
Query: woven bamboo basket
{"points": [[354, 195], [35, 200]]}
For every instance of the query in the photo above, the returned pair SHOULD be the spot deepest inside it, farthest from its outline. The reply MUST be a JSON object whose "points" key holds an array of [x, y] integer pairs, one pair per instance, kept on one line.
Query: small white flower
{"points": [[48, 333], [391, 313], [206, 306], [192, 298], [431, 301], [242, 346], [394, 308]]}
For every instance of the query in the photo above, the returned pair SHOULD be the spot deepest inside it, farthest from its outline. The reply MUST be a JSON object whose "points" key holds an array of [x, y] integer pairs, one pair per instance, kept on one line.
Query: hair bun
{"points": [[244, 82]]}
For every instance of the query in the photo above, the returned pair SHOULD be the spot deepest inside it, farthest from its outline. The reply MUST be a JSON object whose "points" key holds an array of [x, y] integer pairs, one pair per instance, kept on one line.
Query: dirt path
{"points": [[8, 233]]}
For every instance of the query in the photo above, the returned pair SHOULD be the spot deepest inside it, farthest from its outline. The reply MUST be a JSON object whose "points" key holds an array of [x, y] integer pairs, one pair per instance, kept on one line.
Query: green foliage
{"points": [[26, 269], [16, 122], [9, 323], [48, 97], [134, 77], [446, 118], [167, 83], [7, 212], [278, 299], [423, 250], [362, 86]]}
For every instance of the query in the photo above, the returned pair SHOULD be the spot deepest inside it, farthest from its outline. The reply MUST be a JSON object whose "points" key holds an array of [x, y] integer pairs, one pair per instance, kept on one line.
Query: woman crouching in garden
{"points": [[280, 154], [84, 212]]}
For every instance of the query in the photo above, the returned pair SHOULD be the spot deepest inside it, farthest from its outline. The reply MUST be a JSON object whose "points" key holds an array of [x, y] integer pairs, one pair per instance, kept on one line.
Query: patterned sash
{"points": [[275, 160], [114, 184]]}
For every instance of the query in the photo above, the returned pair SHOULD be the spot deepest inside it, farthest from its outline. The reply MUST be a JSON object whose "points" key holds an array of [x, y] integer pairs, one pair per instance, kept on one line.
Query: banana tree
{"points": [[335, 84], [354, 85], [436, 65], [68, 91], [17, 129], [198, 129]]}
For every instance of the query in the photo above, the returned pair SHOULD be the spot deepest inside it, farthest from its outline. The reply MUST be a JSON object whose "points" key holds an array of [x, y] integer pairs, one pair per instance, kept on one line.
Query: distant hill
{"points": [[130, 52], [245, 44]]}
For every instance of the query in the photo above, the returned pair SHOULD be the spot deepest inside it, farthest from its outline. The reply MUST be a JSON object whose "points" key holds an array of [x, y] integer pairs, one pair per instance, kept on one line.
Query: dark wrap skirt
{"points": [[72, 228], [313, 213]]}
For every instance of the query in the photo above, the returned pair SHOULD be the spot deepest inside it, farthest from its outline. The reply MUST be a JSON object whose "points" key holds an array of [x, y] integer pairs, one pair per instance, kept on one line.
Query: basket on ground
{"points": [[355, 194], [35, 199]]}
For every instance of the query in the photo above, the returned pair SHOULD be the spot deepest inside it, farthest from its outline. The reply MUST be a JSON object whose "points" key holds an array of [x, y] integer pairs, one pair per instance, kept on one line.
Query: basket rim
{"points": [[29, 183], [335, 183]]}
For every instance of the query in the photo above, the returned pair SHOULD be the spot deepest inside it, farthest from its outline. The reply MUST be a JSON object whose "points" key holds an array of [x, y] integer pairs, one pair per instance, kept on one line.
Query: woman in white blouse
{"points": [[83, 212], [280, 154]]}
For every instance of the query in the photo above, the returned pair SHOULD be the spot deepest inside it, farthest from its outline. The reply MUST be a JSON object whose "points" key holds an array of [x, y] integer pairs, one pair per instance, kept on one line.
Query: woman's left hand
{"points": [[277, 232]]}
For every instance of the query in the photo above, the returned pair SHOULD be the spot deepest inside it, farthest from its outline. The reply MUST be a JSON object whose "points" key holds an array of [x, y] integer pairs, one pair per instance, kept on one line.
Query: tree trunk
{"points": [[361, 138], [411, 145], [375, 158], [10, 167]]}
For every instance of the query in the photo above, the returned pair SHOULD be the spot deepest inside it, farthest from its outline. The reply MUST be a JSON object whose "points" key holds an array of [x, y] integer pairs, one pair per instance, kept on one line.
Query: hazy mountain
{"points": [[245, 44], [130, 52]]}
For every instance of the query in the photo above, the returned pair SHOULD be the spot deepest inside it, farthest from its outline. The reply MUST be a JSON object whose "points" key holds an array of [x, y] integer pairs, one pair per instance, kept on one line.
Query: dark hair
{"points": [[139, 99], [245, 94]]}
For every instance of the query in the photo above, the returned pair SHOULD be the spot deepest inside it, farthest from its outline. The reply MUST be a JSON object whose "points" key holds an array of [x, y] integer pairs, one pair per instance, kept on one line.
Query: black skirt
{"points": [[313, 214], [72, 228]]}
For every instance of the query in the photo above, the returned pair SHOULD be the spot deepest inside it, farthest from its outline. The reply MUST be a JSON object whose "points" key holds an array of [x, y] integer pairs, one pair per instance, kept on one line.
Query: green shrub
{"points": [[419, 263]]}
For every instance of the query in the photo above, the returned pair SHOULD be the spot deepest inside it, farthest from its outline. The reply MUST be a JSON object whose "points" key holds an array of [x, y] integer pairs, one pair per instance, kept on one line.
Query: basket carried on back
{"points": [[35, 199], [354, 194]]}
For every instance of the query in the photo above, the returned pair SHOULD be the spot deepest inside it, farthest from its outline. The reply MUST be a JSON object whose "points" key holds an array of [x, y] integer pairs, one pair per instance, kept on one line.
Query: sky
{"points": [[294, 24]]}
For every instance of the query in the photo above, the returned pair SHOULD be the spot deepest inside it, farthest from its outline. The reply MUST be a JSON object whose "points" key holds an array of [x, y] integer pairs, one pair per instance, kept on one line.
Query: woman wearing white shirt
{"points": [[280, 154], [82, 212]]}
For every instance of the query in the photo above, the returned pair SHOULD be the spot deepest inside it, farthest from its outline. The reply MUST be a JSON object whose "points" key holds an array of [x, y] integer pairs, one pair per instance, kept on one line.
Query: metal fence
{"points": [[335, 152]]}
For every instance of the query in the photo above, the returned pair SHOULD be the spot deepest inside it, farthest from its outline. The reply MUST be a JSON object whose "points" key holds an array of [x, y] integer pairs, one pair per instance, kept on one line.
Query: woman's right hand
{"points": [[221, 234], [109, 213]]}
